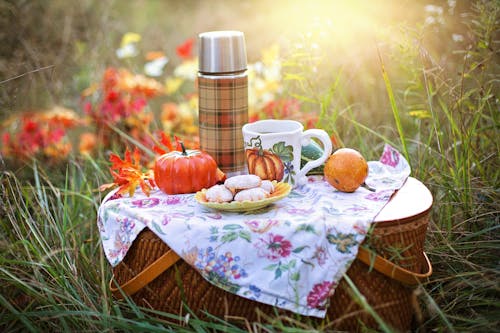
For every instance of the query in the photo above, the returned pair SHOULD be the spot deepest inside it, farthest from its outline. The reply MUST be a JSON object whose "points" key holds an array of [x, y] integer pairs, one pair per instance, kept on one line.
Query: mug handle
{"points": [[327, 150]]}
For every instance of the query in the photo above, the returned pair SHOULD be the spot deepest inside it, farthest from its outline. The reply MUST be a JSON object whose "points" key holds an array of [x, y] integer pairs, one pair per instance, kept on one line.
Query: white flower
{"points": [[127, 51], [187, 70], [155, 67]]}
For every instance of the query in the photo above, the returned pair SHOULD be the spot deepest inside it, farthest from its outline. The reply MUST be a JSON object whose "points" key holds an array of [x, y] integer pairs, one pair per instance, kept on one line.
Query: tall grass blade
{"points": [[360, 299], [394, 108]]}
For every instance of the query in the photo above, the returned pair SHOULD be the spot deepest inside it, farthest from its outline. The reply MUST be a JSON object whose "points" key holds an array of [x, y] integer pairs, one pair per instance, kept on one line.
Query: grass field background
{"points": [[421, 76]]}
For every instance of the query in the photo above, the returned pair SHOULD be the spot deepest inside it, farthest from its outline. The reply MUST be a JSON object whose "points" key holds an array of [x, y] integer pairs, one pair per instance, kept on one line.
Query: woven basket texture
{"points": [[400, 241]]}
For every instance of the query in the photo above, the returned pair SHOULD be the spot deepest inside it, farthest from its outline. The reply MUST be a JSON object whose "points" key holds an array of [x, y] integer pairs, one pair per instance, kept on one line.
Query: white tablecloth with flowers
{"points": [[291, 254]]}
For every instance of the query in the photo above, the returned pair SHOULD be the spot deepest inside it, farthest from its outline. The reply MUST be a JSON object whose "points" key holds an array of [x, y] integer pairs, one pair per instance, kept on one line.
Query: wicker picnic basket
{"points": [[154, 277]]}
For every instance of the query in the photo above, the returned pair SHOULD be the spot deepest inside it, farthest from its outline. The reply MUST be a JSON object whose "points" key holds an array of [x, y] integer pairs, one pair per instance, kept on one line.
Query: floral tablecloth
{"points": [[291, 254]]}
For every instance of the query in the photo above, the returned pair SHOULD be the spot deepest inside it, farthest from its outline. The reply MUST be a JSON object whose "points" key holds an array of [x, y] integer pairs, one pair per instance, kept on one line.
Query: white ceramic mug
{"points": [[273, 149]]}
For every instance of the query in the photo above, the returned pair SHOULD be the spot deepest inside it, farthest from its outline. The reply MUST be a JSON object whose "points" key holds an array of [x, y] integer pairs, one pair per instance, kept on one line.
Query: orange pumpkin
{"points": [[186, 171], [263, 163]]}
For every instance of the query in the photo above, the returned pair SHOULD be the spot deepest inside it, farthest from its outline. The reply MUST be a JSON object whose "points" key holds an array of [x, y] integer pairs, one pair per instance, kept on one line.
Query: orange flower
{"points": [[88, 141], [281, 108], [60, 116], [140, 120], [169, 112], [153, 55], [58, 150], [139, 84], [111, 78]]}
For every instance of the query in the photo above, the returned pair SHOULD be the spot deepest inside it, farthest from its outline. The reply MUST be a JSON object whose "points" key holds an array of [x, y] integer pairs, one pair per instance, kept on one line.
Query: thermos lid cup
{"points": [[222, 52]]}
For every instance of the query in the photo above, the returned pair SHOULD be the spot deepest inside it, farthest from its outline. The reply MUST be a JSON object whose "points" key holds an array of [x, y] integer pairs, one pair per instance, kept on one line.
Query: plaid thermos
{"points": [[223, 98]]}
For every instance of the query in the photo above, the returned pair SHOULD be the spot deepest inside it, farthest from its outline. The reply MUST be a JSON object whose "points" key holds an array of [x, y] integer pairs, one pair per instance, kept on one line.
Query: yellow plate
{"points": [[281, 190]]}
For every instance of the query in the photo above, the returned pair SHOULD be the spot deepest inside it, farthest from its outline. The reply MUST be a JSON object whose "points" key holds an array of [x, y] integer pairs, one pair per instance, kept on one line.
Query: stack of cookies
{"points": [[240, 188]]}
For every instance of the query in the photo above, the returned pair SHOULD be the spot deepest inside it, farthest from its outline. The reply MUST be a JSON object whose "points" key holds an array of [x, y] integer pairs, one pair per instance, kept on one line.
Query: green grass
{"points": [[53, 273]]}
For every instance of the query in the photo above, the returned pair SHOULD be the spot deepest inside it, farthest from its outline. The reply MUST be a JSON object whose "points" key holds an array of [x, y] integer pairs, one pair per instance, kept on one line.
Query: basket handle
{"points": [[392, 270], [169, 258], [147, 275]]}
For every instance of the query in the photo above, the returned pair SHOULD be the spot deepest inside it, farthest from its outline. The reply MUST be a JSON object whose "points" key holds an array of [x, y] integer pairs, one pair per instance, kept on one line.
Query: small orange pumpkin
{"points": [[186, 171], [265, 164]]}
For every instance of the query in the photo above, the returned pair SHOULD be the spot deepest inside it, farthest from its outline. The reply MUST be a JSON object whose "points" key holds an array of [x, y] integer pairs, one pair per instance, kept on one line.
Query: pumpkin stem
{"points": [[258, 144], [365, 185], [183, 148], [261, 151]]}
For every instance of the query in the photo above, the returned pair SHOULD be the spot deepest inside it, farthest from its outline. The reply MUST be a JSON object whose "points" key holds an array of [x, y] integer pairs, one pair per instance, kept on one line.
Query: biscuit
{"points": [[219, 193], [242, 182], [251, 194], [267, 186]]}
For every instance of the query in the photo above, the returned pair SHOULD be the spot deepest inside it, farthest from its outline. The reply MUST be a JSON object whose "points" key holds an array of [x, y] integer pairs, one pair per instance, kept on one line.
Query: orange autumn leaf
{"points": [[127, 174], [178, 143], [166, 142]]}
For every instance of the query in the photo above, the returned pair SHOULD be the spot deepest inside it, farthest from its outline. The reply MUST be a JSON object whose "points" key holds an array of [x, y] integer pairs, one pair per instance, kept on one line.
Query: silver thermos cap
{"points": [[222, 52]]}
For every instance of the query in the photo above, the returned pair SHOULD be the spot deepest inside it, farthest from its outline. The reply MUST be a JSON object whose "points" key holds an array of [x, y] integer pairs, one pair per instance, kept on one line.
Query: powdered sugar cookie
{"points": [[219, 193], [267, 186], [251, 194], [242, 182]]}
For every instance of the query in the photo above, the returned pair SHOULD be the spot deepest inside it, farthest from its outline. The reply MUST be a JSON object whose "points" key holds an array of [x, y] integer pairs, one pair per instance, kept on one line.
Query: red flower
{"points": [[185, 50], [274, 248], [110, 79], [253, 118], [6, 138], [281, 108], [319, 294], [39, 133], [310, 122], [87, 108], [30, 126], [5, 144], [55, 135], [138, 104], [112, 96], [31, 138]]}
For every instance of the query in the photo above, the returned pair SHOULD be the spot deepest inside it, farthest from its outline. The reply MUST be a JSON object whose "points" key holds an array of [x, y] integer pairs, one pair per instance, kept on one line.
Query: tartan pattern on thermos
{"points": [[223, 110]]}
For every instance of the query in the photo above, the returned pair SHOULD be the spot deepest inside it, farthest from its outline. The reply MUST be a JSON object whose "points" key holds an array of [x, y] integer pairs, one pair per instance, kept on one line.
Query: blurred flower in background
{"points": [[120, 101], [156, 63], [42, 134], [128, 47], [140, 107], [264, 81]]}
